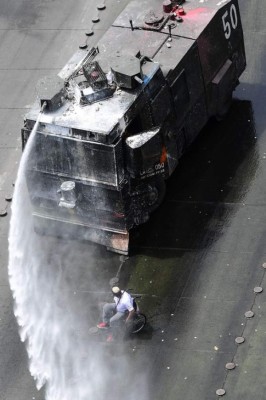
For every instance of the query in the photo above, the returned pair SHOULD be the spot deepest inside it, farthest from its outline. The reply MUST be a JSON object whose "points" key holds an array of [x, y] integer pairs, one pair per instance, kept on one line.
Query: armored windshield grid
{"points": [[95, 75]]}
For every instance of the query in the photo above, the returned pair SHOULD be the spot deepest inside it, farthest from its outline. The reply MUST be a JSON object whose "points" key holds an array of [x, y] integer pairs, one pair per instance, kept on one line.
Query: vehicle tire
{"points": [[138, 323], [156, 195]]}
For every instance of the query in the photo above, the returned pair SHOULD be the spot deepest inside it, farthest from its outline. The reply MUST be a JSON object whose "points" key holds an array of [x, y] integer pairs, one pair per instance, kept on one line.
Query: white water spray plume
{"points": [[57, 285]]}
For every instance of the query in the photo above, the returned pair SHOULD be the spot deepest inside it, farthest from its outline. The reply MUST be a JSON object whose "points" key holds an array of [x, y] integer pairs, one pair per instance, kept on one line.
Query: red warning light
{"points": [[163, 157], [181, 10], [197, 12]]}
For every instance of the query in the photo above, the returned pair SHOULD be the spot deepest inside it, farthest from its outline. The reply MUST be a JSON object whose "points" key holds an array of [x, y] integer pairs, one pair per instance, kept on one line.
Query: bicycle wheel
{"points": [[139, 323]]}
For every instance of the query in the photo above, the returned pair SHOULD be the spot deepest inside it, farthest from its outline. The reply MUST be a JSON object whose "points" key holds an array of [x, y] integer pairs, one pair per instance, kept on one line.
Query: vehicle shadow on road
{"points": [[210, 181]]}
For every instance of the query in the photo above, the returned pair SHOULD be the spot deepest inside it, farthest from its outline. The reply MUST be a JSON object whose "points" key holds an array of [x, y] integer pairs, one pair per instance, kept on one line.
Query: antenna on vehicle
{"points": [[131, 24], [170, 30]]}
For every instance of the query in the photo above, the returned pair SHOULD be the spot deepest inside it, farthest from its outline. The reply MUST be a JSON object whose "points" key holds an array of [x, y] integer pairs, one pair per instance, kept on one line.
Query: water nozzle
{"points": [[44, 104]]}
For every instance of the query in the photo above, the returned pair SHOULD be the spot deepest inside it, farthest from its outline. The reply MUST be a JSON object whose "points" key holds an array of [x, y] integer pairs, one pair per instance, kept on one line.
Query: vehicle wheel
{"points": [[138, 323], [156, 194], [146, 199]]}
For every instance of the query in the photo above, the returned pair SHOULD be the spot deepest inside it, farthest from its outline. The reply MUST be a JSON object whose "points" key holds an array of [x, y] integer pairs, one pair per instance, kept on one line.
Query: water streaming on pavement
{"points": [[54, 320]]}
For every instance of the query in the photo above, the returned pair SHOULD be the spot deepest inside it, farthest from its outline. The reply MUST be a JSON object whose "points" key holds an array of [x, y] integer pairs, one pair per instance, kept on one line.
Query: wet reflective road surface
{"points": [[199, 258]]}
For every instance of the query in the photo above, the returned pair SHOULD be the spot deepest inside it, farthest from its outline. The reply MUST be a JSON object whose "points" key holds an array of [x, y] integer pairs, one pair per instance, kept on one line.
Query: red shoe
{"points": [[110, 338], [103, 325]]}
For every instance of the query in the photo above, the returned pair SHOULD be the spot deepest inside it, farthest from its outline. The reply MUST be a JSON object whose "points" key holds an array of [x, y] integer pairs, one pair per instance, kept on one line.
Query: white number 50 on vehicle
{"points": [[230, 21]]}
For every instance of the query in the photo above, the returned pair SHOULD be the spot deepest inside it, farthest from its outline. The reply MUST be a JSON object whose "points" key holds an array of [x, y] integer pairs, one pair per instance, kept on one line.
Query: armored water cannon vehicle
{"points": [[119, 116]]}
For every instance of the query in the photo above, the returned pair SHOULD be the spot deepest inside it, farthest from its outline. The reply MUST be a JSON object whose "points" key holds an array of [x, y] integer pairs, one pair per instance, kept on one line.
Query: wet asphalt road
{"points": [[198, 259]]}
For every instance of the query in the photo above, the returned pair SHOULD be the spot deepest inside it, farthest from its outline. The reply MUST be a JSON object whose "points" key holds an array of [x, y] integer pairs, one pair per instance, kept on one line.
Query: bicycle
{"points": [[133, 326], [139, 319]]}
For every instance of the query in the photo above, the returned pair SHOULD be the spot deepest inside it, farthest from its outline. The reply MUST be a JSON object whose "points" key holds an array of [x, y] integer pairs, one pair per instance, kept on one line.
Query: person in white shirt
{"points": [[113, 312]]}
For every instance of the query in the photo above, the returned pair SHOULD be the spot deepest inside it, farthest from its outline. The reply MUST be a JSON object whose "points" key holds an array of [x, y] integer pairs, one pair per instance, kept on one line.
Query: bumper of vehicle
{"points": [[117, 241]]}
